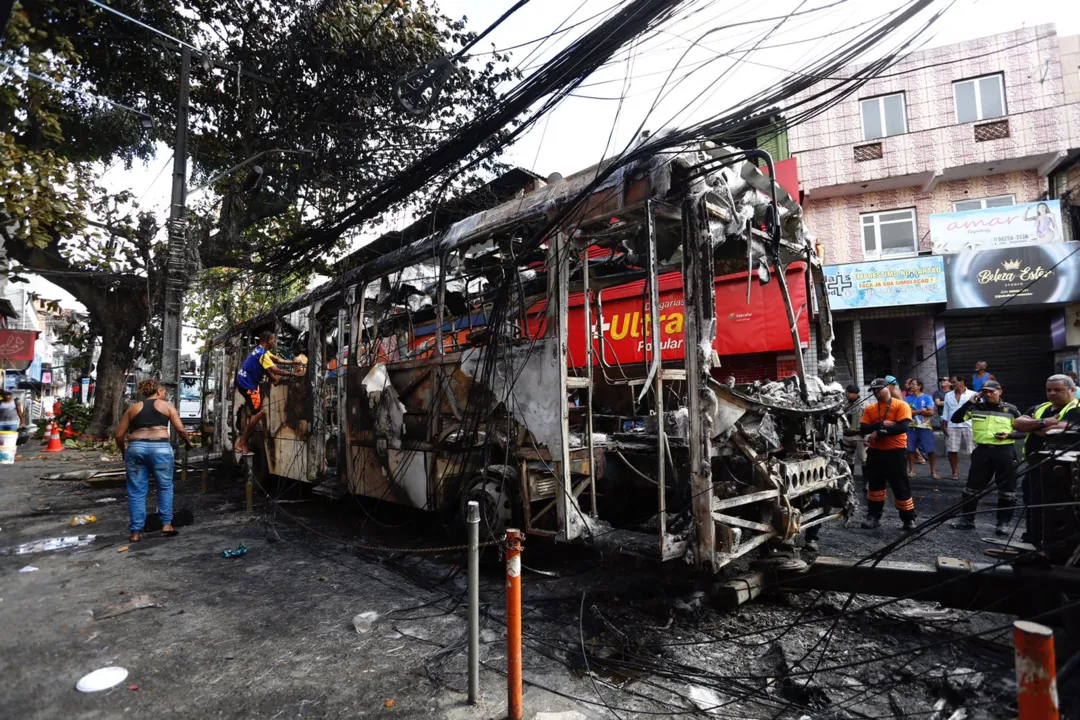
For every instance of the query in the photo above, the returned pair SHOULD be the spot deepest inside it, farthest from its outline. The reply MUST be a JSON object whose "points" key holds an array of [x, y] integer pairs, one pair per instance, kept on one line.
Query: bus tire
{"points": [[496, 491]]}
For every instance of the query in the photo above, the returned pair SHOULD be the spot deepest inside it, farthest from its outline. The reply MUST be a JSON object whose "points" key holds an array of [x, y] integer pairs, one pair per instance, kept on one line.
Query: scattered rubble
{"points": [[139, 602], [364, 621], [52, 544], [804, 690], [921, 613], [706, 699], [959, 683], [910, 704]]}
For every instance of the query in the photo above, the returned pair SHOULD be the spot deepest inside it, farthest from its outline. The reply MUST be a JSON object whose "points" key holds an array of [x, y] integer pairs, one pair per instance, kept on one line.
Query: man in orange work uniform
{"points": [[885, 423]]}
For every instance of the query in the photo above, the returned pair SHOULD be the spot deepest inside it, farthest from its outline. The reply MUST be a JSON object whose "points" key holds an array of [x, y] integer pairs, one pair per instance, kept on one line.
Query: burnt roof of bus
{"points": [[491, 194], [624, 191]]}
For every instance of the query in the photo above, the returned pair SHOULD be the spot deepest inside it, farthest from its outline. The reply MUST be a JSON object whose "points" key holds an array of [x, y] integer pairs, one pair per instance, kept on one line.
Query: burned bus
{"points": [[566, 359]]}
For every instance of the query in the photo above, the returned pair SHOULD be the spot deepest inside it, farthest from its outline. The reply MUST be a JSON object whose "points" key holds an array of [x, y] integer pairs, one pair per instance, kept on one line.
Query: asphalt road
{"points": [[270, 634]]}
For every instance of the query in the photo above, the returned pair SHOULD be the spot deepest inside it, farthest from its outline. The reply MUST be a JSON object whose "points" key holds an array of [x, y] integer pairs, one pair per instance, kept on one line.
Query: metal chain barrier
{"points": [[447, 548]]}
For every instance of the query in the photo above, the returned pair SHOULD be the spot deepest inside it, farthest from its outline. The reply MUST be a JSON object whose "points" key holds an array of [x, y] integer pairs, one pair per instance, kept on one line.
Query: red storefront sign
{"points": [[17, 345], [626, 325]]}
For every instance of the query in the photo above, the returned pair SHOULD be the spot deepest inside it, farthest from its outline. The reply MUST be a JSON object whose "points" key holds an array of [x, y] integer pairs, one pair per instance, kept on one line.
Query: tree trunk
{"points": [[119, 307], [117, 354]]}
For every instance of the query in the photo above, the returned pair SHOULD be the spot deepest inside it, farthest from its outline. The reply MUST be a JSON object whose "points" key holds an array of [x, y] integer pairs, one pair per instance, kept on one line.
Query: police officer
{"points": [[994, 458], [886, 423], [1060, 410]]}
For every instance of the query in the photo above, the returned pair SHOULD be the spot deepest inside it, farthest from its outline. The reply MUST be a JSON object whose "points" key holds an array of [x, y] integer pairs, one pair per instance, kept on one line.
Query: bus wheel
{"points": [[496, 493]]}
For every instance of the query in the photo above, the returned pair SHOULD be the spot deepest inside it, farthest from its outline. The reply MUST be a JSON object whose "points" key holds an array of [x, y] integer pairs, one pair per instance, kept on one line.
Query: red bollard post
{"points": [[514, 538], [1036, 671]]}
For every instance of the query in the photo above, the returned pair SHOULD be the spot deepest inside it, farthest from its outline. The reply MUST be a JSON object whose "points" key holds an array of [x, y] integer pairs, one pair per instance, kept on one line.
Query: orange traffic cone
{"points": [[54, 441], [48, 434], [68, 432]]}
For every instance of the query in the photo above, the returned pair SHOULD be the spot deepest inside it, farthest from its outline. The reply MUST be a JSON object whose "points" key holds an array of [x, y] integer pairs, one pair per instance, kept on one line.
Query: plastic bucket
{"points": [[8, 443]]}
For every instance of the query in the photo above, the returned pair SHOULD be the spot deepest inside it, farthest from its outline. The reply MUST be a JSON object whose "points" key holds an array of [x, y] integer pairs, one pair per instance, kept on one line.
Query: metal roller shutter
{"points": [[1016, 347]]}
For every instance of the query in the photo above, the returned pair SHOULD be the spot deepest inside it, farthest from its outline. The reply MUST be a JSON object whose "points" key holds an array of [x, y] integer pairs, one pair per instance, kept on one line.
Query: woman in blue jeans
{"points": [[148, 450]]}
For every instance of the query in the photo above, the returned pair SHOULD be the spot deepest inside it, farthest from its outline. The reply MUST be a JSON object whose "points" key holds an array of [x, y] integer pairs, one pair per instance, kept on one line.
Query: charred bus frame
{"points": [[661, 460]]}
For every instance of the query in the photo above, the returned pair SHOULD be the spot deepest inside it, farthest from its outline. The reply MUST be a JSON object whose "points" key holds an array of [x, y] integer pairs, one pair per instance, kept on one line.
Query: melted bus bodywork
{"points": [[479, 363]]}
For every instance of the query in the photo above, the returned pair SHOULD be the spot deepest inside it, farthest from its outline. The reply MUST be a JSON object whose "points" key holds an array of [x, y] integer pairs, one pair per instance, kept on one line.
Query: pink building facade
{"points": [[930, 159], [966, 127]]}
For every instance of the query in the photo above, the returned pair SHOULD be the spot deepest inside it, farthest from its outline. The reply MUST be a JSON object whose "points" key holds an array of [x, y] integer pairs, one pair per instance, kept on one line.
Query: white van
{"points": [[190, 405]]}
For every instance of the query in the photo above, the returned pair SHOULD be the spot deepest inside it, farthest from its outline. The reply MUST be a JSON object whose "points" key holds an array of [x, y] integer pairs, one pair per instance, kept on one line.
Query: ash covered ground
{"points": [[270, 634]]}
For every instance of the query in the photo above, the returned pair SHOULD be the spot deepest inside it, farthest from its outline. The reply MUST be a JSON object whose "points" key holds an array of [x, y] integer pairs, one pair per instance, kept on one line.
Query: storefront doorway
{"points": [[1016, 347], [899, 346]]}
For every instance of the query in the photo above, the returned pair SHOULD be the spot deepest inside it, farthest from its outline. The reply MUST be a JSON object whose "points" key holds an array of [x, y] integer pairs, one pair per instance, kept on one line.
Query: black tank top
{"points": [[149, 417]]}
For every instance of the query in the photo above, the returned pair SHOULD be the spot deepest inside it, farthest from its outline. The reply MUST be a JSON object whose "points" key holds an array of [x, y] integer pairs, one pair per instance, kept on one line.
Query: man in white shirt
{"points": [[957, 435]]}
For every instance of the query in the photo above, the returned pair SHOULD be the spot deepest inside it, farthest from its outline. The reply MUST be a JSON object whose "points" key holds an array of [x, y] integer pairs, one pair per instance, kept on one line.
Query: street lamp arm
{"points": [[247, 162]]}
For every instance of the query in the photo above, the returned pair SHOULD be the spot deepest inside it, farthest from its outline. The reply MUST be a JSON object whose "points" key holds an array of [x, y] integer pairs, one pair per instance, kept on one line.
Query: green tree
{"points": [[297, 93], [222, 297]]}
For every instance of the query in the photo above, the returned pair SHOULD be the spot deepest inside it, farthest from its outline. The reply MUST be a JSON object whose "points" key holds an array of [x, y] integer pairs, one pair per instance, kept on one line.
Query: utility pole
{"points": [[176, 259]]}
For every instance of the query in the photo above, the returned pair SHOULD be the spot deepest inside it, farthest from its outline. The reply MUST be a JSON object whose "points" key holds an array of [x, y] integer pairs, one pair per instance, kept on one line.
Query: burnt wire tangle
{"points": [[546, 646]]}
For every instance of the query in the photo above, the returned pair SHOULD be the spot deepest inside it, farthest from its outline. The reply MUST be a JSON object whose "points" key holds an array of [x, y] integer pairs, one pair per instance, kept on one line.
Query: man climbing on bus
{"points": [[249, 377]]}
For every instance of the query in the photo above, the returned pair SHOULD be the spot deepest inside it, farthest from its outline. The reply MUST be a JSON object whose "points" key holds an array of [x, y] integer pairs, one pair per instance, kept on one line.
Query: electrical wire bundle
{"points": [[557, 77]]}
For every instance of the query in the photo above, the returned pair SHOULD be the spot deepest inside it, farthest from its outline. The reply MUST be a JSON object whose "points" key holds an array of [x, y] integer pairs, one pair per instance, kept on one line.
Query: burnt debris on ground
{"points": [[604, 634]]}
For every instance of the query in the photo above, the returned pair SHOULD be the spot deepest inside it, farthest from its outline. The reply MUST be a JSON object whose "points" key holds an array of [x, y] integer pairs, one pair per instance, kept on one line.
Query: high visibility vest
{"points": [[1041, 411], [987, 422]]}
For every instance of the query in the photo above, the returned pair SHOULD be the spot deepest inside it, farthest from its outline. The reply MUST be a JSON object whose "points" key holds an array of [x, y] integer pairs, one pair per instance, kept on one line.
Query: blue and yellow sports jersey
{"points": [[250, 375]]}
